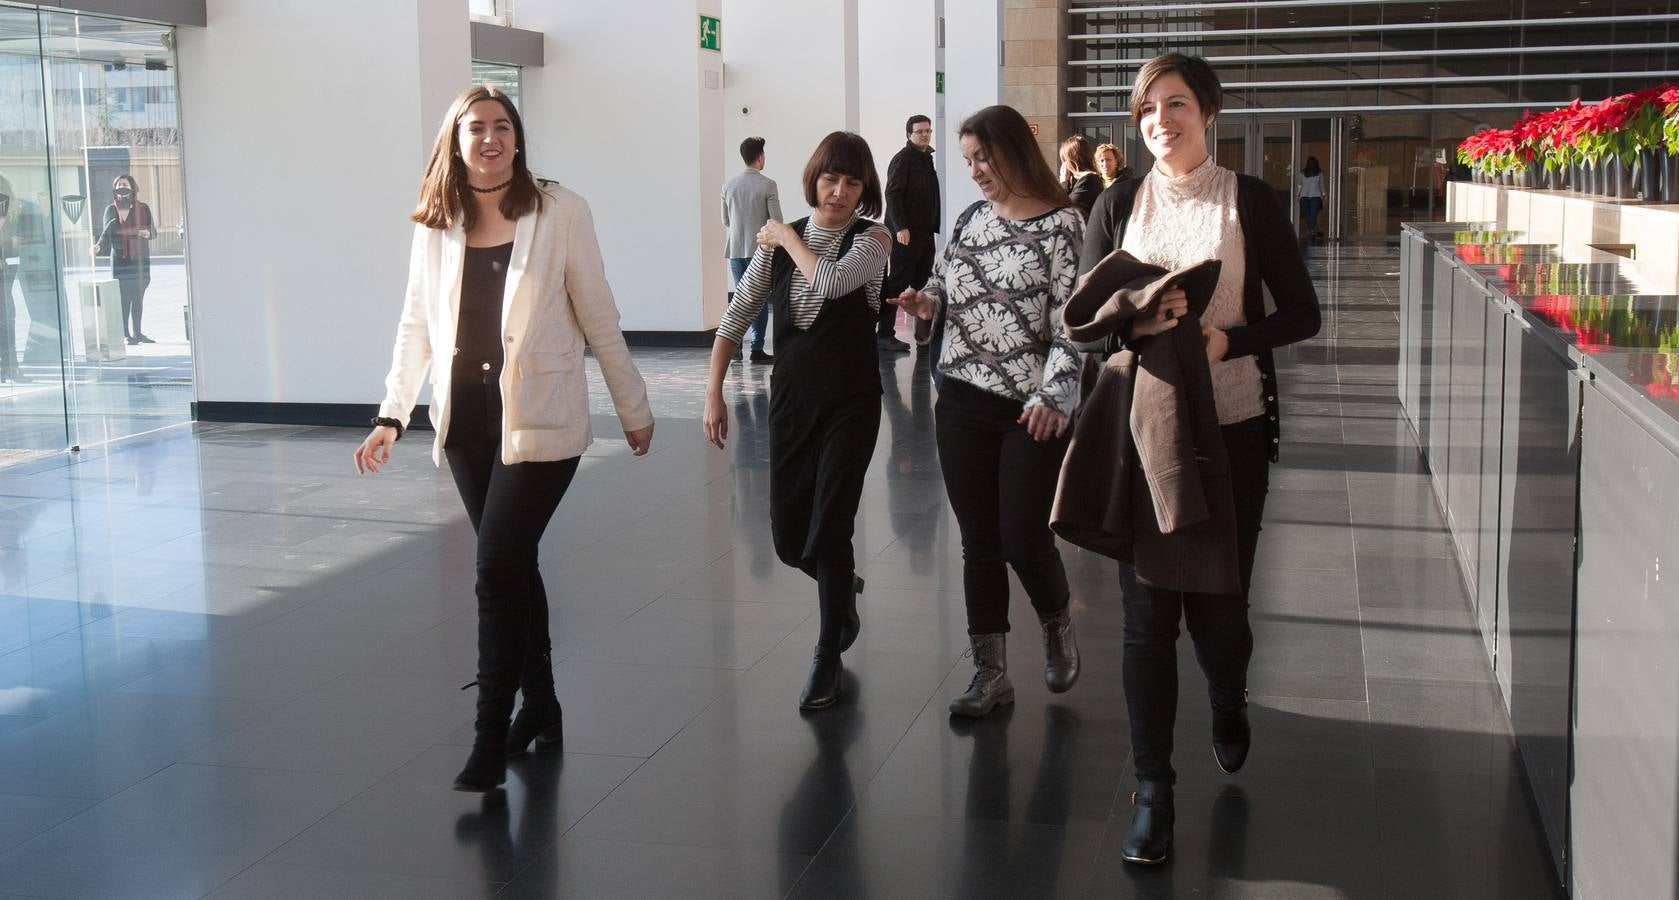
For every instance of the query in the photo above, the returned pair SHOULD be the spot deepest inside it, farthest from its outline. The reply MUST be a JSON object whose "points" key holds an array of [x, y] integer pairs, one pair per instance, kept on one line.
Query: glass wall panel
{"points": [[32, 339], [114, 125], [499, 76], [95, 283]]}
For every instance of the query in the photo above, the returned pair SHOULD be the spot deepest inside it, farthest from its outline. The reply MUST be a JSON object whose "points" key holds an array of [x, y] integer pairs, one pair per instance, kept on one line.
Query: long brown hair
{"points": [[1008, 144], [1079, 152], [445, 194]]}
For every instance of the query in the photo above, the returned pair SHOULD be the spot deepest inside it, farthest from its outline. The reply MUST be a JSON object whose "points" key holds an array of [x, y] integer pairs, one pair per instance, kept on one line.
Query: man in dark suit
{"points": [[912, 215]]}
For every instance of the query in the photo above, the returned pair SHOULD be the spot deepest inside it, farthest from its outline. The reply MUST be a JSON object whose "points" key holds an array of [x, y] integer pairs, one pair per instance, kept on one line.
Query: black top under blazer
{"points": [[1273, 260]]}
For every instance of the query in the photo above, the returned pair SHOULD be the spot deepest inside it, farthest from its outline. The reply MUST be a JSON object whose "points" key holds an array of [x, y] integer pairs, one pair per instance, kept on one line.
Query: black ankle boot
{"points": [[539, 717], [1232, 736], [486, 768], [822, 687], [1061, 651], [1150, 839]]}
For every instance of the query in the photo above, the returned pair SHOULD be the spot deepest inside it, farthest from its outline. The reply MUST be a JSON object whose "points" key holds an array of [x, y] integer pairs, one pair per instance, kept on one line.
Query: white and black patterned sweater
{"points": [[1001, 284]]}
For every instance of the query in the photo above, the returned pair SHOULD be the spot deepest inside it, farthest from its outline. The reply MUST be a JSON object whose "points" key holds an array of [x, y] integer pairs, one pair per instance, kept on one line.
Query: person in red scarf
{"points": [[126, 235]]}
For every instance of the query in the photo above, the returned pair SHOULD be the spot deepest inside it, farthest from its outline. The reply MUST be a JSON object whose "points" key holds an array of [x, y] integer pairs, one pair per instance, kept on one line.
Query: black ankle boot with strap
{"points": [[1149, 841]]}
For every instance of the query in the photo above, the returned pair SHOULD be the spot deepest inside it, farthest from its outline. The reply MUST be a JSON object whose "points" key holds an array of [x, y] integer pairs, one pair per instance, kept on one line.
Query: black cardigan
{"points": [[1272, 259]]}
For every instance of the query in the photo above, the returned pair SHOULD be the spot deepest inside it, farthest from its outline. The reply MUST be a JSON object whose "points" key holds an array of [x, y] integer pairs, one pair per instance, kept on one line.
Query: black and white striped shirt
{"points": [[864, 266]]}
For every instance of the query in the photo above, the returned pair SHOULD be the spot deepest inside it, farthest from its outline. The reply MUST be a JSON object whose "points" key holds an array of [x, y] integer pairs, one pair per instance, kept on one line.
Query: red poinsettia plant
{"points": [[1620, 127], [1491, 151], [1668, 102]]}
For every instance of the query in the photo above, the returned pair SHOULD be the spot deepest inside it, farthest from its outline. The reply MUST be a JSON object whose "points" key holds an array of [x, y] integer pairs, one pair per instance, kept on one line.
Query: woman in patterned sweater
{"points": [[1010, 385]]}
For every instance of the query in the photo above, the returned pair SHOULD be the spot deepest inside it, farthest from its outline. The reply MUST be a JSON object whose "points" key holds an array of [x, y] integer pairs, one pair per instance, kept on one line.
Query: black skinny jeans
{"points": [[1218, 623], [509, 506], [1001, 485]]}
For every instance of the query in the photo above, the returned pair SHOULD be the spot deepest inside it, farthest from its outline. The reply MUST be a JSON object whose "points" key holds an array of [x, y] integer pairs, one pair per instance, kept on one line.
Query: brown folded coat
{"points": [[1146, 478]]}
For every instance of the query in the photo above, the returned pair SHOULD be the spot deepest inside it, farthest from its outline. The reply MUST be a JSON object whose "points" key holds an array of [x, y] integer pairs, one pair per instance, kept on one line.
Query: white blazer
{"points": [[556, 299]]}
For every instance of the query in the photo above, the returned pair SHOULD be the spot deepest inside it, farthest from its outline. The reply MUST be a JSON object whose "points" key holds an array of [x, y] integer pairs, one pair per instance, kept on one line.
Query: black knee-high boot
{"points": [[503, 593], [539, 708]]}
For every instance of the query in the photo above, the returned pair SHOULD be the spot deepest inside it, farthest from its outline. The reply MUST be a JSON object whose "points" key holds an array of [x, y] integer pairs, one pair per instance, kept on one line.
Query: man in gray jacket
{"points": [[749, 200]]}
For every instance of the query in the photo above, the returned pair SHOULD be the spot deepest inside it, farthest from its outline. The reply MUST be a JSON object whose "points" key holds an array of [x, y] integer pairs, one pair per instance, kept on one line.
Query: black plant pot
{"points": [[1670, 174], [1647, 174], [1620, 185]]}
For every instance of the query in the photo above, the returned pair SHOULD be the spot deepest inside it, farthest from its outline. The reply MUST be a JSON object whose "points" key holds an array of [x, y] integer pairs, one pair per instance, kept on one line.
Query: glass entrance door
{"points": [[95, 242], [34, 417], [1277, 150]]}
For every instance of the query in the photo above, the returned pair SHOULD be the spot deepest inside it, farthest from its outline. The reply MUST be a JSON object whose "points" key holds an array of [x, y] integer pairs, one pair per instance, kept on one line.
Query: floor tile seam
{"points": [[584, 817], [324, 816], [96, 803], [499, 886], [1358, 610]]}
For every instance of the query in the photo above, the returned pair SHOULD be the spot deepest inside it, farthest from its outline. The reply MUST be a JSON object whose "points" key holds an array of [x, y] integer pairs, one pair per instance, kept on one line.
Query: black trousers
{"points": [[132, 283], [1001, 485], [8, 320], [1218, 623], [819, 457], [509, 506], [909, 267]]}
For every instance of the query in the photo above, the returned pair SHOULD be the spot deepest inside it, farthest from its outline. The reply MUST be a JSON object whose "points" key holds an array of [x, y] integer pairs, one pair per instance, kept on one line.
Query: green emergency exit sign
{"points": [[938, 82], [711, 34]]}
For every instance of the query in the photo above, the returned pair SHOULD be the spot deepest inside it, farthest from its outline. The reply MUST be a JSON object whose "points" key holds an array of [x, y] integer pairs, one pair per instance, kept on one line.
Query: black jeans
{"points": [[910, 266], [1218, 623], [132, 282], [8, 321], [1001, 485], [509, 506]]}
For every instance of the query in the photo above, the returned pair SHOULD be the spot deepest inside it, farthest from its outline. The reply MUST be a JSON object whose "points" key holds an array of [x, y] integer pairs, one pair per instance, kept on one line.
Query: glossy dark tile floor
{"points": [[229, 667]]}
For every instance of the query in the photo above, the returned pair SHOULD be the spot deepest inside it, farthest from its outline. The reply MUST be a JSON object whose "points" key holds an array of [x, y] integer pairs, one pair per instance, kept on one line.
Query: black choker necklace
{"points": [[490, 190]]}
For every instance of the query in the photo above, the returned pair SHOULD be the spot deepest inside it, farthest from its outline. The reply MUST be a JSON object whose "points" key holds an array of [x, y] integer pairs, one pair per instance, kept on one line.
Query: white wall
{"points": [[621, 114], [793, 65], [973, 80], [897, 66], [300, 177]]}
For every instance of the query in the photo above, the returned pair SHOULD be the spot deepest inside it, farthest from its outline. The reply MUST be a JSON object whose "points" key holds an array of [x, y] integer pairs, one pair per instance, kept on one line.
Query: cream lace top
{"points": [[1179, 222]]}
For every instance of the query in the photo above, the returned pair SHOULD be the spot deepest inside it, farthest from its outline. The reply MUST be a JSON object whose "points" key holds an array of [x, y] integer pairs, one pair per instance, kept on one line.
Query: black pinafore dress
{"points": [[824, 417]]}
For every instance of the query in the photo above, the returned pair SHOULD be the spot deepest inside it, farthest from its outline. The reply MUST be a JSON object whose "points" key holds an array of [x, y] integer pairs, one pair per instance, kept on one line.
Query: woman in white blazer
{"points": [[505, 285]]}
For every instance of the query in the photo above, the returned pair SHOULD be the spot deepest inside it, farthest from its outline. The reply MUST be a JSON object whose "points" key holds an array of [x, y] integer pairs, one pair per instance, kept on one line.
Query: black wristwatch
{"points": [[387, 421]]}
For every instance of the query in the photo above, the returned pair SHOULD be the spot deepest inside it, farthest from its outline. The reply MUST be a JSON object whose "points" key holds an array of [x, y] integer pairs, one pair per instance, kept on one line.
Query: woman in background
{"points": [[1111, 164], [127, 235], [1078, 172]]}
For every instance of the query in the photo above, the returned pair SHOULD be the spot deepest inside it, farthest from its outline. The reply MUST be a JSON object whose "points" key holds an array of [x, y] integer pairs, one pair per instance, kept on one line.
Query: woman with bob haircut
{"points": [[1009, 384], [1185, 210], [822, 274], [1078, 172], [505, 287]]}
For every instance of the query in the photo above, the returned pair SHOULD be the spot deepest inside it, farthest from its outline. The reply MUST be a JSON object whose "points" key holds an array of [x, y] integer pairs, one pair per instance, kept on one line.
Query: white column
{"points": [[790, 77], [299, 182], [627, 112], [898, 67], [973, 80]]}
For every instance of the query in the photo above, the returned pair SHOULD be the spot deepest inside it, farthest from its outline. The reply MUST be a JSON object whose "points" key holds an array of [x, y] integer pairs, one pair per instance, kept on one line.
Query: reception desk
{"points": [[1542, 381]]}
